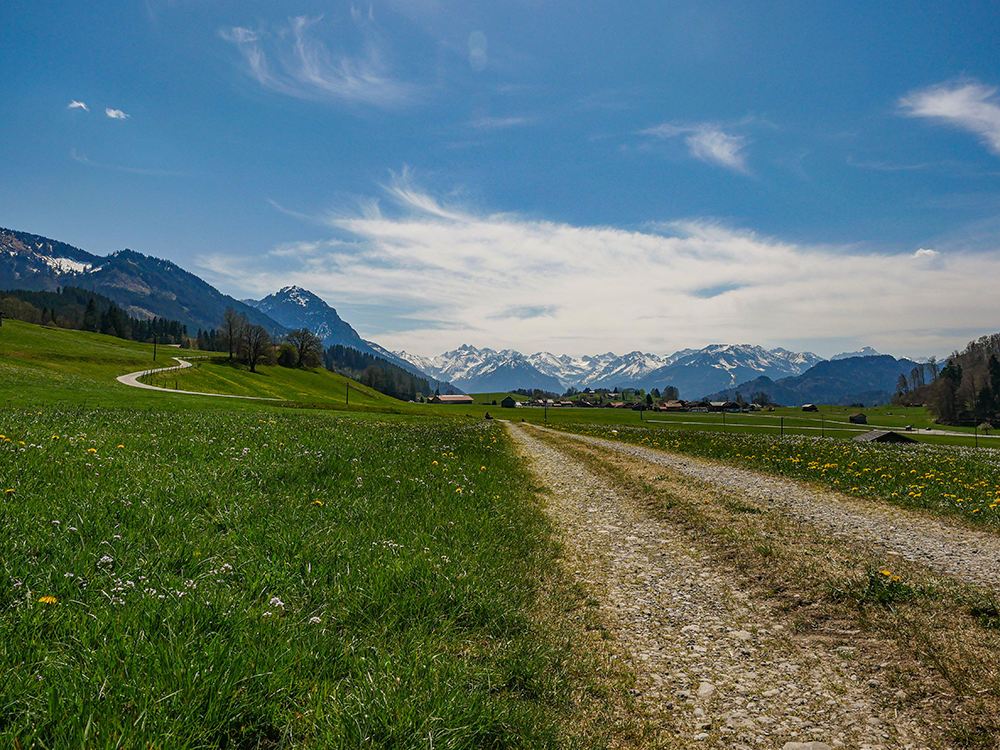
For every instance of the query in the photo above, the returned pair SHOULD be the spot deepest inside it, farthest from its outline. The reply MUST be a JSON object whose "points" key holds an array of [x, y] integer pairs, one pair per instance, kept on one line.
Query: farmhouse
{"points": [[810, 407], [858, 418], [508, 402], [451, 400]]}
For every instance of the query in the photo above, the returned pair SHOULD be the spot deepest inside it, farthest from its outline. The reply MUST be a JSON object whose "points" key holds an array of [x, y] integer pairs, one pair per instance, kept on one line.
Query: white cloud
{"points": [[78, 105], [291, 61], [707, 142], [968, 105], [505, 281], [925, 253], [116, 114]]}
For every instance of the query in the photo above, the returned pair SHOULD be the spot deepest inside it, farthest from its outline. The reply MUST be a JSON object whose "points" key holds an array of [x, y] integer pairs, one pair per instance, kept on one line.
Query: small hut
{"points": [[883, 436]]}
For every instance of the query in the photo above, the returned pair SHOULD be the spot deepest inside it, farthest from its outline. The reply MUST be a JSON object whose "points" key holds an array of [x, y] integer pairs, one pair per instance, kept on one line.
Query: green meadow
{"points": [[333, 568], [189, 572]]}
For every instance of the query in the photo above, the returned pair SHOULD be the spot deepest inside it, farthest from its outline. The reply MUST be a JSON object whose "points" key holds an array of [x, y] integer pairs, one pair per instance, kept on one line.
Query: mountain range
{"points": [[693, 372], [865, 379], [147, 287]]}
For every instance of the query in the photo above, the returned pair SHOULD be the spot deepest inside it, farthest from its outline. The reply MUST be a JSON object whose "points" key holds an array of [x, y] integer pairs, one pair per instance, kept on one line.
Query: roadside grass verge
{"points": [[207, 579], [962, 483], [927, 636]]}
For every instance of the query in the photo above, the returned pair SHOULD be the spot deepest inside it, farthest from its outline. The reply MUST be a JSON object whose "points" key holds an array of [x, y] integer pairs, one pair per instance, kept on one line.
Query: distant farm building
{"points": [[508, 402], [883, 436], [452, 400], [810, 407], [858, 418]]}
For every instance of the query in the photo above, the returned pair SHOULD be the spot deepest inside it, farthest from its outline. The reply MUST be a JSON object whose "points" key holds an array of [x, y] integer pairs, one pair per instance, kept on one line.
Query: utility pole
{"points": [[154, 346]]}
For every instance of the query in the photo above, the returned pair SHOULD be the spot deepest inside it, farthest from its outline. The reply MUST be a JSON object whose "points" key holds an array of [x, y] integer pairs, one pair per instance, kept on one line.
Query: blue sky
{"points": [[576, 177]]}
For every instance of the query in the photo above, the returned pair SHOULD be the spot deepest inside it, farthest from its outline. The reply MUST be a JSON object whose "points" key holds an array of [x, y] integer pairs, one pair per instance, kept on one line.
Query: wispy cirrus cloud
{"points": [[78, 105], [290, 60], [707, 142], [967, 104], [116, 114], [426, 276]]}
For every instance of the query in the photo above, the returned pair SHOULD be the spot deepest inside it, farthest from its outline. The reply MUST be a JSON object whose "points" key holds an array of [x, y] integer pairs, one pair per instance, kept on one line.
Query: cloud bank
{"points": [[290, 60], [431, 277], [968, 105]]}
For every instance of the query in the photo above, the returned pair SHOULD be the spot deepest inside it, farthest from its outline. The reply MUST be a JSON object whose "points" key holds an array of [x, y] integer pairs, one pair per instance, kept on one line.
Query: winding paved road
{"points": [[132, 379]]}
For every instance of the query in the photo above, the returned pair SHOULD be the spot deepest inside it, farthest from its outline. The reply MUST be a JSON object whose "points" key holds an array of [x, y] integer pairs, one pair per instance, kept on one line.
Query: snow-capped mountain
{"points": [[866, 351], [721, 366], [145, 287], [693, 372], [33, 262], [484, 370], [295, 307]]}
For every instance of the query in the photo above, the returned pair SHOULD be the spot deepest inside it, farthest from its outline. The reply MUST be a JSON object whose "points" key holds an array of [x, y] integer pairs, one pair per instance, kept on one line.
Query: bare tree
{"points": [[308, 346], [233, 326], [257, 347]]}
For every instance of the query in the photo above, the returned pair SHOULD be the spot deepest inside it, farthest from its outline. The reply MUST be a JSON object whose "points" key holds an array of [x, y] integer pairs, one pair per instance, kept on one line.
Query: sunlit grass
{"points": [[963, 482], [218, 579]]}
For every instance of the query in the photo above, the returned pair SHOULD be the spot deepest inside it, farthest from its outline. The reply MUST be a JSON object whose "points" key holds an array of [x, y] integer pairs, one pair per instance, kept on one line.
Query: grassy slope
{"points": [[41, 365], [317, 386]]}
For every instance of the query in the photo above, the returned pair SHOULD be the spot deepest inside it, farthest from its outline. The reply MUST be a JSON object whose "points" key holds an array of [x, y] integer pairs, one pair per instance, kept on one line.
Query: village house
{"points": [[451, 400]]}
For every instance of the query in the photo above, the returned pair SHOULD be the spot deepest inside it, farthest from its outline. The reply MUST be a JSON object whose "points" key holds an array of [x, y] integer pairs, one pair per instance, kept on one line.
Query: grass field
{"points": [[215, 579], [317, 387], [180, 571]]}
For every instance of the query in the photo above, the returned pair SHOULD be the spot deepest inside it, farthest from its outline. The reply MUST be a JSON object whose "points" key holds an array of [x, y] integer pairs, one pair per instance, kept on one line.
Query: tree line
{"points": [[966, 390], [252, 345], [82, 310], [376, 372]]}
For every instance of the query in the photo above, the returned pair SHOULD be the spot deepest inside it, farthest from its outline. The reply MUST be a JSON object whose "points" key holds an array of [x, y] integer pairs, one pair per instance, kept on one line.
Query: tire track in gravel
{"points": [[713, 662], [965, 554]]}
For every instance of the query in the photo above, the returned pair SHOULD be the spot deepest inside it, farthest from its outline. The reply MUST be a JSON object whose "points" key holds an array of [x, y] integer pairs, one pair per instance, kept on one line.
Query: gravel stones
{"points": [[965, 554], [712, 662]]}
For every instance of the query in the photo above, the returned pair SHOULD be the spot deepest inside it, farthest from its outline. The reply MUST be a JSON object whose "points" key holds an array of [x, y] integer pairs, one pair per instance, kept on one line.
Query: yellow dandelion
{"points": [[48, 600], [886, 573], [55, 437], [458, 489], [318, 502], [9, 491], [91, 450], [434, 463], [482, 468], [121, 446]]}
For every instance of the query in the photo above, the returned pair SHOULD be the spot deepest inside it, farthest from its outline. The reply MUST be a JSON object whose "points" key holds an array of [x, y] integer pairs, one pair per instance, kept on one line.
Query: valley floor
{"points": [[760, 612]]}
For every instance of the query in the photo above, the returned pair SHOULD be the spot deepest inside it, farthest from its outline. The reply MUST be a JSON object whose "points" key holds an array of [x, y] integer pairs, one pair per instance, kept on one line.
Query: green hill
{"points": [[42, 365]]}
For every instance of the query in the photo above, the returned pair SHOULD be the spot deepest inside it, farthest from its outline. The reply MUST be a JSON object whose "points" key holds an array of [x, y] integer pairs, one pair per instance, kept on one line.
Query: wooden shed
{"points": [[883, 436]]}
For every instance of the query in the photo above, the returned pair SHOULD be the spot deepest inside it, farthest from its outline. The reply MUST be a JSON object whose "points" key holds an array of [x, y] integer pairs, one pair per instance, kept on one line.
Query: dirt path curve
{"points": [[132, 379], [949, 548], [711, 661]]}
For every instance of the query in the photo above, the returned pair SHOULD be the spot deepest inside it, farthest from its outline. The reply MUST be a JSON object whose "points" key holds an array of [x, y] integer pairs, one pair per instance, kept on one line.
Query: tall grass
{"points": [[215, 579]]}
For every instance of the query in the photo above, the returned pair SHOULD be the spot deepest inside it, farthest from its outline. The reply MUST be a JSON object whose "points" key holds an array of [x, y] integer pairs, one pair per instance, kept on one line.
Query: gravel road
{"points": [[717, 665], [954, 550]]}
